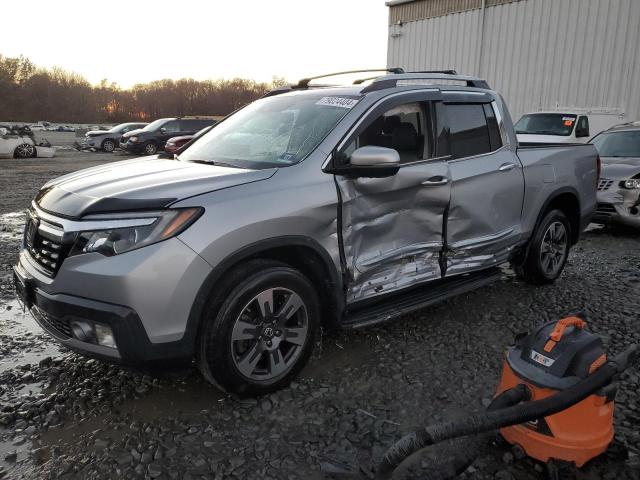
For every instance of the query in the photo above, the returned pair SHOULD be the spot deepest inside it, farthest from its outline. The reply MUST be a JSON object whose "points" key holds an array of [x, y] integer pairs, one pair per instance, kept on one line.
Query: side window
{"points": [[401, 128], [171, 126], [468, 130], [582, 127], [495, 138]]}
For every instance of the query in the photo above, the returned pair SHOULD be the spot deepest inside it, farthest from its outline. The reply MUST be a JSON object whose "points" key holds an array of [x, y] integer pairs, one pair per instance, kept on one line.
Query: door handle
{"points": [[505, 167], [435, 181]]}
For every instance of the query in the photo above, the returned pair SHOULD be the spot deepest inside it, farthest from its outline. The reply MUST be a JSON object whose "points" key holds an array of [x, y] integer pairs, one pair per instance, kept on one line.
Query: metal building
{"points": [[540, 54]]}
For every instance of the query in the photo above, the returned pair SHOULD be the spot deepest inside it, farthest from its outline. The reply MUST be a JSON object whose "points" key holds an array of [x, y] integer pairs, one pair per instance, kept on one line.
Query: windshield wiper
{"points": [[215, 163]]}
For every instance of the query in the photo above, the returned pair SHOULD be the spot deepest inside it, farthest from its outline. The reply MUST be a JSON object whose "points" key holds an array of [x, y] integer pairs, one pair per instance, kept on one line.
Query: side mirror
{"points": [[163, 130], [371, 162], [582, 132]]}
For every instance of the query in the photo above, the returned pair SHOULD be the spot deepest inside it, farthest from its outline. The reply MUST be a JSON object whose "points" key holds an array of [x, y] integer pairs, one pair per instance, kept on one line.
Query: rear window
{"points": [[618, 144], [560, 124]]}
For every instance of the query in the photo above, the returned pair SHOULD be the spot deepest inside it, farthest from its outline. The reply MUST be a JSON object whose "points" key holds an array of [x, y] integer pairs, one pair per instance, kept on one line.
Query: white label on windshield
{"points": [[337, 102], [568, 118]]}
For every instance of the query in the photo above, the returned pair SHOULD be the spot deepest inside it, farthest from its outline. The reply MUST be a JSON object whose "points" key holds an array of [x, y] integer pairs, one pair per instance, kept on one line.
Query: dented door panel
{"points": [[393, 228], [484, 223]]}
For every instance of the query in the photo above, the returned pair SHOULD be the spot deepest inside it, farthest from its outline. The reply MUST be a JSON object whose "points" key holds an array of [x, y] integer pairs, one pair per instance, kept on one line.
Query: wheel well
{"points": [[568, 204]]}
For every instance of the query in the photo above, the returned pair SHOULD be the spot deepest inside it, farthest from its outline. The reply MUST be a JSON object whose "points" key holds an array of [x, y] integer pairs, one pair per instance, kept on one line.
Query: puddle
{"points": [[12, 225], [22, 341]]}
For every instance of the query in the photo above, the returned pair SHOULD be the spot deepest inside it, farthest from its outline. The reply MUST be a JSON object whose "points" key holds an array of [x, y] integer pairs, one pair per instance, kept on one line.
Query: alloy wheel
{"points": [[269, 334], [150, 148], [553, 249], [108, 146], [25, 151]]}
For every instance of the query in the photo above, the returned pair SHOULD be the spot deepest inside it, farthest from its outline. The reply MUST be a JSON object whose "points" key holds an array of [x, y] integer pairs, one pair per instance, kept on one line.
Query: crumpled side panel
{"points": [[480, 252], [392, 230]]}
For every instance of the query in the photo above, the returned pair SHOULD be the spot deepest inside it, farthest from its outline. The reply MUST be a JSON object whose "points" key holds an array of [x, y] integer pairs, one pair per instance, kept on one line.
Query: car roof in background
{"points": [[624, 127]]}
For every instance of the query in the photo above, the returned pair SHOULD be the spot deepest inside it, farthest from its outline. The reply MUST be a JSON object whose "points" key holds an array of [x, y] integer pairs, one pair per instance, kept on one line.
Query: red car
{"points": [[175, 143]]}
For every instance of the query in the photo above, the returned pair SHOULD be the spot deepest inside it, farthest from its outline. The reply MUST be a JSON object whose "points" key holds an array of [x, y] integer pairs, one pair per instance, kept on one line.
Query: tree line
{"points": [[29, 93]]}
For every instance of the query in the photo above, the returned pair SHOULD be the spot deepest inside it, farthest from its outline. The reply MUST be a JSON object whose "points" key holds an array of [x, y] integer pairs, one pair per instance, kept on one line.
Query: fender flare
{"points": [[249, 251]]}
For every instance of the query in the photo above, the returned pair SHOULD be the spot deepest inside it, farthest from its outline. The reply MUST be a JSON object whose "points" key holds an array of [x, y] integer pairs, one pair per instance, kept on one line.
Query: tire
{"points": [[24, 150], [249, 350], [547, 251], [108, 145], [150, 148]]}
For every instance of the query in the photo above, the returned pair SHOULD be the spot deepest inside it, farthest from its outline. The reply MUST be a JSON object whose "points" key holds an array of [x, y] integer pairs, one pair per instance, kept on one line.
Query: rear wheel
{"points": [[24, 150], [108, 145], [150, 148], [260, 333], [548, 251]]}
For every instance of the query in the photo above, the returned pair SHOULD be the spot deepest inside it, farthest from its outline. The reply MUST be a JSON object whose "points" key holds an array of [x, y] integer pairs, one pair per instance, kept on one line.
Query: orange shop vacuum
{"points": [[555, 399]]}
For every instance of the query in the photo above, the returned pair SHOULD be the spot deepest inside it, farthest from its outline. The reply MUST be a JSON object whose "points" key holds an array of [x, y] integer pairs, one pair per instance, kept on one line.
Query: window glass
{"points": [[582, 128], [546, 124], [171, 126], [272, 132], [468, 131], [494, 129], [618, 144], [401, 128]]}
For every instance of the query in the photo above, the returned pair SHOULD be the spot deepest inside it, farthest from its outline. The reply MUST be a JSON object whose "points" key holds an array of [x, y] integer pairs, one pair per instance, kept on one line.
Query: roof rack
{"points": [[304, 83], [380, 82], [390, 81]]}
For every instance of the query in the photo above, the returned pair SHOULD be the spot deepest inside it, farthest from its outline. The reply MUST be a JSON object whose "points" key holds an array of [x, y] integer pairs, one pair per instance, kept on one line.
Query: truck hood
{"points": [[143, 183], [530, 138], [620, 168]]}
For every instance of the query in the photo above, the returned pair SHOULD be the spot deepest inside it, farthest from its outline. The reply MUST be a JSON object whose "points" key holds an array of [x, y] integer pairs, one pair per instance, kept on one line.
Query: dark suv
{"points": [[153, 137]]}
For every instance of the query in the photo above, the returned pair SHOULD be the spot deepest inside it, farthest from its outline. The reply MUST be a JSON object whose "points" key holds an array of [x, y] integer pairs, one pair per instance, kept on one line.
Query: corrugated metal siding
{"points": [[537, 53], [423, 9]]}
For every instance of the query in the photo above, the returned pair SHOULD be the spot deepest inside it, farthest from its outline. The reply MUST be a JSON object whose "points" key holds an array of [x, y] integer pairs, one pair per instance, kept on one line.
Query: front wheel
{"points": [[548, 251], [24, 151], [262, 333], [150, 148], [108, 145]]}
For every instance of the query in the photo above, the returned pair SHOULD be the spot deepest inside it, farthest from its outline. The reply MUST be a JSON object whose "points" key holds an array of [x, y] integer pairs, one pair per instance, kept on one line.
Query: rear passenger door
{"points": [[392, 228], [487, 192]]}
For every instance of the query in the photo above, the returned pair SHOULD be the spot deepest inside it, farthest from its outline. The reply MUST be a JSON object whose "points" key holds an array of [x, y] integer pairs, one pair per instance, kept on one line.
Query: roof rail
{"points": [[390, 81], [304, 83]]}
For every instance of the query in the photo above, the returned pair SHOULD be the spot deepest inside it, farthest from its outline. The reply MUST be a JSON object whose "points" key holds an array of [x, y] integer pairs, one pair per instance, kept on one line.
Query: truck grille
{"points": [[605, 209], [47, 252], [604, 184]]}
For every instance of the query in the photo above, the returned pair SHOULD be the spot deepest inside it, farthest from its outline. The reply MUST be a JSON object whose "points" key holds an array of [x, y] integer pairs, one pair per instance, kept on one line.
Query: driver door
{"points": [[392, 228]]}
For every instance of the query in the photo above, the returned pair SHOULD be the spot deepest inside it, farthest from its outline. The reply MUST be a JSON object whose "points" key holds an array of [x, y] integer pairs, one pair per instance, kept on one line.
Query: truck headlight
{"points": [[113, 241], [133, 139], [632, 183]]}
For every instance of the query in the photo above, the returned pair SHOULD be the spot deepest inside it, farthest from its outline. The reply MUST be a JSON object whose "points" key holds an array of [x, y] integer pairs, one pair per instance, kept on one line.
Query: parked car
{"points": [[619, 186], [153, 137], [18, 142], [176, 143], [108, 140], [568, 126], [38, 127], [333, 206]]}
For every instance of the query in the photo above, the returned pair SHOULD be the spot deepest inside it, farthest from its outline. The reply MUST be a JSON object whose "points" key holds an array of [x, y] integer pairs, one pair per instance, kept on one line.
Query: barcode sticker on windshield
{"points": [[337, 102]]}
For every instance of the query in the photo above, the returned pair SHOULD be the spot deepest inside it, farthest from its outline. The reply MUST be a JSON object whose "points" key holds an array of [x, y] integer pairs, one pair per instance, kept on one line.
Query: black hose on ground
{"points": [[496, 418]]}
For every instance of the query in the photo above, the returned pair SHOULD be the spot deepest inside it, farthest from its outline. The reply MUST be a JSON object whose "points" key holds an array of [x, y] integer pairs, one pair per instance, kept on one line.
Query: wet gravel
{"points": [[63, 416]]}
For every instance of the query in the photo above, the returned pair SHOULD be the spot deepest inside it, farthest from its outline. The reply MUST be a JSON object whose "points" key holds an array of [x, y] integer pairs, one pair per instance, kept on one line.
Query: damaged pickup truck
{"points": [[334, 206]]}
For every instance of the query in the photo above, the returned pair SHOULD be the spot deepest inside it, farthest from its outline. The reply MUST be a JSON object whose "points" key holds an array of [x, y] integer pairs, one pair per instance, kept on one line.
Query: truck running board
{"points": [[365, 313]]}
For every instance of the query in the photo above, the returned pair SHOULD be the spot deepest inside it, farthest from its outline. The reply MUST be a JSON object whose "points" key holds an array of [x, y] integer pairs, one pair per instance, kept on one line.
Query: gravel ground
{"points": [[63, 416]]}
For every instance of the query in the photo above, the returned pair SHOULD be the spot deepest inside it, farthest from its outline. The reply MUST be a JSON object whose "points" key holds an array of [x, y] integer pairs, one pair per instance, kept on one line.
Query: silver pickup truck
{"points": [[334, 206]]}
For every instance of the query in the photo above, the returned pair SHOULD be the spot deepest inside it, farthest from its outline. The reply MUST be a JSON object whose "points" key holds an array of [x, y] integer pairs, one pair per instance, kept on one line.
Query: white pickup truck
{"points": [[563, 126]]}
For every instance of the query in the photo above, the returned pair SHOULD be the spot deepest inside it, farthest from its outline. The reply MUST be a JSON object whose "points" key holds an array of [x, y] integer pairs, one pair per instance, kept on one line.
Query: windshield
{"points": [[618, 144], [119, 128], [272, 132], [153, 126], [546, 124]]}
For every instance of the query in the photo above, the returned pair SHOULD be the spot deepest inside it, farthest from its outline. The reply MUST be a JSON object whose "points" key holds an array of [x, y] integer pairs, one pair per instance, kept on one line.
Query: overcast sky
{"points": [[130, 42]]}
